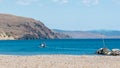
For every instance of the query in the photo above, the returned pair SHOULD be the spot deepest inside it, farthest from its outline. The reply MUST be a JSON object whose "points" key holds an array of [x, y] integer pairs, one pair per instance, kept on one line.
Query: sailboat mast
{"points": [[103, 42]]}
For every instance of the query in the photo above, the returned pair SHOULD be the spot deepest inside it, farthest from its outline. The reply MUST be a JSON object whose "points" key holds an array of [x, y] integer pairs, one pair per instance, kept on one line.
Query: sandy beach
{"points": [[59, 61]]}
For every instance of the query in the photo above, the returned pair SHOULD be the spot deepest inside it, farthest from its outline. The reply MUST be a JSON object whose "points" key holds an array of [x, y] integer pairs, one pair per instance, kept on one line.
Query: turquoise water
{"points": [[56, 46]]}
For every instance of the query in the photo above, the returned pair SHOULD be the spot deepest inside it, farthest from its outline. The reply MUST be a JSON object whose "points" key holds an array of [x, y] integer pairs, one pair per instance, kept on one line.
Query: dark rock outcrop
{"points": [[25, 28]]}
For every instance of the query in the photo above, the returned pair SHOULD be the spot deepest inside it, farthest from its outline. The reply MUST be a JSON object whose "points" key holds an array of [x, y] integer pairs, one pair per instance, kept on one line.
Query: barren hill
{"points": [[16, 27]]}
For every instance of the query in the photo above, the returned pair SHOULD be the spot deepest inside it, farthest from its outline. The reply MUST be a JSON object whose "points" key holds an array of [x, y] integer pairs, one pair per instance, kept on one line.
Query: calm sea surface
{"points": [[56, 46]]}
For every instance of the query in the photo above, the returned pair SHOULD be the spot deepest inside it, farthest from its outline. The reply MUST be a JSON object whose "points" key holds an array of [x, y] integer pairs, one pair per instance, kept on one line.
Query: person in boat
{"points": [[42, 45]]}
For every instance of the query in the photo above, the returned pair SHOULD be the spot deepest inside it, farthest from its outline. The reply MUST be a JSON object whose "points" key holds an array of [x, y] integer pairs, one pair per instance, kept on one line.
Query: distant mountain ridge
{"points": [[17, 27], [92, 34], [107, 32]]}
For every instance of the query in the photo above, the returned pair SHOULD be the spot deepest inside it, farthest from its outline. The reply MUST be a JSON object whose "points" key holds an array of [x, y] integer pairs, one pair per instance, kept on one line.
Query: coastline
{"points": [[59, 61]]}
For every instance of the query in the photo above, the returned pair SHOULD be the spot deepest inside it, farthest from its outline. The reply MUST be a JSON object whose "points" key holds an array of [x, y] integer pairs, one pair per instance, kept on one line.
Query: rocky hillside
{"points": [[16, 27]]}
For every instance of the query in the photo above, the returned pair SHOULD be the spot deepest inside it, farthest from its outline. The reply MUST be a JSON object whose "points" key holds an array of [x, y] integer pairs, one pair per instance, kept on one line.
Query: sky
{"points": [[68, 14]]}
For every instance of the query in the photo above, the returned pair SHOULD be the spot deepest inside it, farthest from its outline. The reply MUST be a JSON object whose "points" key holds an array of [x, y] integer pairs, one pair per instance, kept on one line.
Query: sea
{"points": [[56, 46]]}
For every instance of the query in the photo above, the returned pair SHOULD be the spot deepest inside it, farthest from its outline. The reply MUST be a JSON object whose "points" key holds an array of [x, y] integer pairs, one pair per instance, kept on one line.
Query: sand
{"points": [[59, 61]]}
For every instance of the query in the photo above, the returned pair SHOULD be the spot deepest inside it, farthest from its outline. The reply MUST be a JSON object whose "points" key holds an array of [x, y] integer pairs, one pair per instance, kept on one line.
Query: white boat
{"points": [[104, 50], [42, 45]]}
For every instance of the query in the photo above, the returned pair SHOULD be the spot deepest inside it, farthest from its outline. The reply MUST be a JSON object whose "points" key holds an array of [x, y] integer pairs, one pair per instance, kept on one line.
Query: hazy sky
{"points": [[68, 14]]}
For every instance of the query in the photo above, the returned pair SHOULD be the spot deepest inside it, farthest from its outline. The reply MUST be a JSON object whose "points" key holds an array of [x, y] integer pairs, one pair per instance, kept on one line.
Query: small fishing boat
{"points": [[104, 50], [42, 45]]}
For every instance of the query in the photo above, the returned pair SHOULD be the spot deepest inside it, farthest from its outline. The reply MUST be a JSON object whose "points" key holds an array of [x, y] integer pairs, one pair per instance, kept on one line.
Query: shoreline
{"points": [[59, 61]]}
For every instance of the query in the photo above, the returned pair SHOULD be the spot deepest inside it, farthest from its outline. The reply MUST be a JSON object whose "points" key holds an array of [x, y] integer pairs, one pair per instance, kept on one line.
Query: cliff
{"points": [[16, 27]]}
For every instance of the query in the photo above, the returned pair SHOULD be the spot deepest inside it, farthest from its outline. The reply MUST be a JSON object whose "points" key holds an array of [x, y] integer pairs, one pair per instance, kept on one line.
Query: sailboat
{"points": [[104, 50]]}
